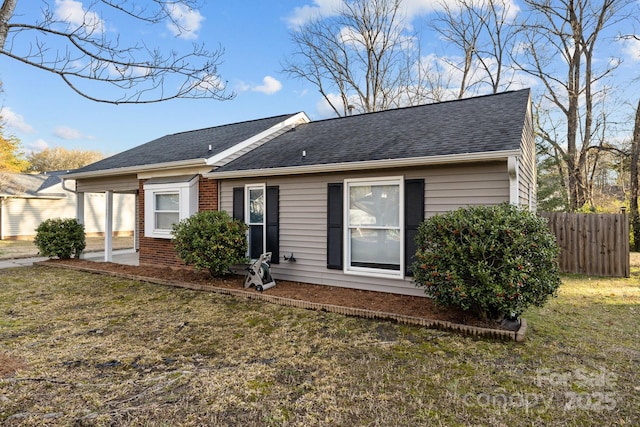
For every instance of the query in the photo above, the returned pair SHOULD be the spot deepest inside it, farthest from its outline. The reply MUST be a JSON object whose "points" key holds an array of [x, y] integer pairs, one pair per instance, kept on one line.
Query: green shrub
{"points": [[60, 237], [493, 261], [210, 240]]}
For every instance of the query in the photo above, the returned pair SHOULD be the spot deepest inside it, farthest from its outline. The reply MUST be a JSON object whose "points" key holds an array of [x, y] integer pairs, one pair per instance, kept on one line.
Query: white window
{"points": [[374, 227], [166, 210], [167, 201]]}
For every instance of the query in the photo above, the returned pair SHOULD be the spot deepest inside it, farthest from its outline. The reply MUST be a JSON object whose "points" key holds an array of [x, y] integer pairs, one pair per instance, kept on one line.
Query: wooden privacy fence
{"points": [[593, 244]]}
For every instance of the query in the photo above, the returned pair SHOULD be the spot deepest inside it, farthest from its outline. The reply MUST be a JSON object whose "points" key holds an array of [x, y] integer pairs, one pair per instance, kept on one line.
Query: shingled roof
{"points": [[190, 145], [31, 185], [483, 124]]}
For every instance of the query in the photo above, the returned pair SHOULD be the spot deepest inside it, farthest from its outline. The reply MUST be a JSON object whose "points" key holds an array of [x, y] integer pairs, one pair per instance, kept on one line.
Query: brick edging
{"points": [[518, 336]]}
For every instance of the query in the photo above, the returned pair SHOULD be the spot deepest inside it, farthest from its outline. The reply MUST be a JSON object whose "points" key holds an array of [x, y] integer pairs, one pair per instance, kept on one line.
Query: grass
{"points": [[96, 350]]}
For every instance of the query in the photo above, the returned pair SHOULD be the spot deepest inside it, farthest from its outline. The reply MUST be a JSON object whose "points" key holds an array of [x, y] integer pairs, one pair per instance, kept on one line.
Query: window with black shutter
{"points": [[258, 206], [366, 233]]}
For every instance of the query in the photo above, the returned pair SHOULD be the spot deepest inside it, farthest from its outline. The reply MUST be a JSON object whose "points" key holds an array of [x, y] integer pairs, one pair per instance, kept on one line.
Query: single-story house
{"points": [[342, 197], [28, 199]]}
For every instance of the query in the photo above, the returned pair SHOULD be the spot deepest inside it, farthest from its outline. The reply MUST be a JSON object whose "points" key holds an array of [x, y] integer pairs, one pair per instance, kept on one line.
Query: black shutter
{"points": [[273, 223], [238, 203], [413, 217], [335, 217]]}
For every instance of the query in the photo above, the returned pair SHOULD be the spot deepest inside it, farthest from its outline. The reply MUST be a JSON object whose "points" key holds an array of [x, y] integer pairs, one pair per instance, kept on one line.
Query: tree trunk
{"points": [[6, 12], [635, 157]]}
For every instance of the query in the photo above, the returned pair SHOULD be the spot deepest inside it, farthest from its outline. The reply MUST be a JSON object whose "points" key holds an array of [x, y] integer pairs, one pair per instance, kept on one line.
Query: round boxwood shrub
{"points": [[60, 237], [210, 240], [494, 261]]}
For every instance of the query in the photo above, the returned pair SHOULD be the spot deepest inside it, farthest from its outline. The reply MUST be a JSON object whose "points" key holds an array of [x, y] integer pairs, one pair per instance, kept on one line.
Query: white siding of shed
{"points": [[303, 216], [20, 217]]}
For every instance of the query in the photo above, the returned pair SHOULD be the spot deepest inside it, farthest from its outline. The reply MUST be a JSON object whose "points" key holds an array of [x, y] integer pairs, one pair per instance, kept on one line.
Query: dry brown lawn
{"points": [[88, 349]]}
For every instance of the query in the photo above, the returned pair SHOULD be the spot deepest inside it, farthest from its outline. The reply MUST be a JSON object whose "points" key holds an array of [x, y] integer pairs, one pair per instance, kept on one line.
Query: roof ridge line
{"points": [[447, 101], [230, 124]]}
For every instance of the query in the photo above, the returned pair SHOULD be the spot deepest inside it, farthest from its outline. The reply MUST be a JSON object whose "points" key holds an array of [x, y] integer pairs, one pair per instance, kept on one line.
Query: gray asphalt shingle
{"points": [[30, 185], [188, 145], [473, 125]]}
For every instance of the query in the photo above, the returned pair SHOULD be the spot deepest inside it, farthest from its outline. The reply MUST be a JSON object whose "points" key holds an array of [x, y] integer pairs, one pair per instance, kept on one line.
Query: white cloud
{"points": [[269, 86], [409, 9], [241, 86], [185, 22], [37, 145], [75, 14], [15, 121], [323, 108], [320, 8], [446, 76], [325, 111], [126, 71], [65, 132], [210, 83], [631, 48], [413, 8]]}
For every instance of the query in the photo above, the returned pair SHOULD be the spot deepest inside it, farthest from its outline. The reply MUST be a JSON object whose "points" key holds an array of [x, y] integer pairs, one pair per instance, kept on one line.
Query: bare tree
{"points": [[559, 49], [635, 158], [360, 58], [90, 60], [482, 31]]}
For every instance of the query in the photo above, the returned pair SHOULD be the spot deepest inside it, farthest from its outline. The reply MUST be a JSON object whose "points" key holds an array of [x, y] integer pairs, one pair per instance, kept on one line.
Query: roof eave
{"points": [[367, 165], [129, 170]]}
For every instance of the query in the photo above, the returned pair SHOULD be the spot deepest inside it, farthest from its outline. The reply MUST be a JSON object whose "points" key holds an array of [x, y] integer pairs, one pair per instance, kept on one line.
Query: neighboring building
{"points": [[28, 199], [343, 196]]}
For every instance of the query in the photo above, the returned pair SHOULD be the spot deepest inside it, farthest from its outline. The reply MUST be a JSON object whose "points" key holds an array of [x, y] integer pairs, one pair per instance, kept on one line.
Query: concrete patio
{"points": [[120, 256]]}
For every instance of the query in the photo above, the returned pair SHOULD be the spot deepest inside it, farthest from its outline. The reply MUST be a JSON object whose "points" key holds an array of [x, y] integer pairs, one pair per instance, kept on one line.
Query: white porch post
{"points": [[136, 223], [80, 210], [80, 207], [108, 227]]}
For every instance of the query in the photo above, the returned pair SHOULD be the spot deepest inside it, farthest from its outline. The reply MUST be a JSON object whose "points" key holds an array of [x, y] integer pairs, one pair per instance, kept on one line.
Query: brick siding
{"points": [[160, 251]]}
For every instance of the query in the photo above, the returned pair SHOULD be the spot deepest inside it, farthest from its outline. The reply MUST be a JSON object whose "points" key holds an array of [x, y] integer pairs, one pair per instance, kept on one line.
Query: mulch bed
{"points": [[404, 305]]}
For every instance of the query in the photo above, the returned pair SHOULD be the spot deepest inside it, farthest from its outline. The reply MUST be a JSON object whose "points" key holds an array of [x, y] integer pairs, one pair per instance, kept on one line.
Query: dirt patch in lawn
{"points": [[9, 365], [406, 305]]}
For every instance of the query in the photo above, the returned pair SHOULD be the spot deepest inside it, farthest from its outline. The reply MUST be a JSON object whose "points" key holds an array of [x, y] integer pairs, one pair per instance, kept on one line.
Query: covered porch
{"points": [[121, 199]]}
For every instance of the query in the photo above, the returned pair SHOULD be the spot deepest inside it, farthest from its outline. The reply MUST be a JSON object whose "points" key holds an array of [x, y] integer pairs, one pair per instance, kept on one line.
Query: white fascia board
{"points": [[292, 121], [368, 165], [136, 169]]}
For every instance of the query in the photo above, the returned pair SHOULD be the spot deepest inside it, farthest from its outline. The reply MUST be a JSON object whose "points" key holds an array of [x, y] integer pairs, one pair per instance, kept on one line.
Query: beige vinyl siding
{"points": [[303, 217], [20, 217], [125, 183], [527, 172], [449, 188]]}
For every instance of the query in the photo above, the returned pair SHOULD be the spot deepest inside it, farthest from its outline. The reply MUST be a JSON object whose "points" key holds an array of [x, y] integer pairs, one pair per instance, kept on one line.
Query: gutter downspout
{"points": [[64, 187], [513, 167]]}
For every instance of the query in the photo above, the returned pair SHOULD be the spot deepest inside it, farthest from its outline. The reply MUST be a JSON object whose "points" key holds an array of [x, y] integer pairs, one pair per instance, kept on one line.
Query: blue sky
{"points": [[43, 112]]}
